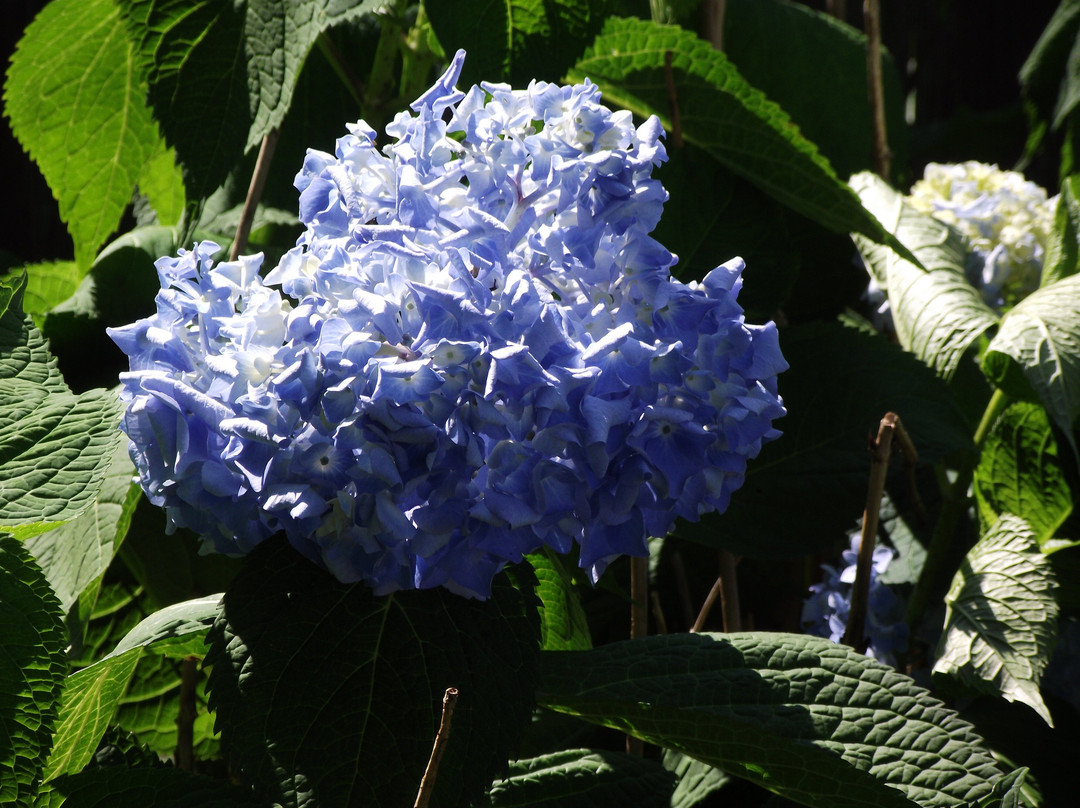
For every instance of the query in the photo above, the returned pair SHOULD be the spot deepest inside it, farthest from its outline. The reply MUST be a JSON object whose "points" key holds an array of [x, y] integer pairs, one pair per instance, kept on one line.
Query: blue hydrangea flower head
{"points": [[825, 612], [474, 350]]}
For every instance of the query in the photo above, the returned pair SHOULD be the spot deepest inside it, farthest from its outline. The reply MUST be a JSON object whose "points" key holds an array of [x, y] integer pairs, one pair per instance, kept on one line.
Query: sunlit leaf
{"points": [[804, 717], [1001, 618]]}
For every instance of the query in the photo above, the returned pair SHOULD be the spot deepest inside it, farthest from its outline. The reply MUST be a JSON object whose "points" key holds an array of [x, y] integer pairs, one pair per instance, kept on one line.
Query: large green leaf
{"points": [[326, 693], [584, 778], [1020, 472], [78, 106], [517, 40], [722, 114], [804, 717], [32, 667], [55, 447], [814, 66], [563, 626], [1040, 338], [77, 553], [166, 787], [222, 75], [819, 465], [1001, 617], [936, 312], [93, 695]]}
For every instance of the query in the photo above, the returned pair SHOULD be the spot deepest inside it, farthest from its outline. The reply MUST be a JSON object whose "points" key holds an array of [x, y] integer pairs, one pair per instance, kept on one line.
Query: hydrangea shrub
{"points": [[474, 350]]}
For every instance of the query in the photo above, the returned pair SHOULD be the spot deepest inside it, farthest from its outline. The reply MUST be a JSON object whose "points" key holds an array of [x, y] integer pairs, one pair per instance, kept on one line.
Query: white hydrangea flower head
{"points": [[1006, 219]]}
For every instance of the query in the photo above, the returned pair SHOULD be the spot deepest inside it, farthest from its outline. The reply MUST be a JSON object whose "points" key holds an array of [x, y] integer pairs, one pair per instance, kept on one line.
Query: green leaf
{"points": [[697, 781], [93, 696], [12, 288], [803, 717], [722, 114], [938, 315], [55, 447], [162, 182], [1063, 247], [167, 787], [563, 626], [52, 465], [48, 285], [1020, 472], [584, 778], [32, 667], [1001, 617], [819, 466], [77, 553], [1040, 337], [517, 40], [222, 75], [814, 67], [308, 672], [175, 631], [1007, 792], [78, 105]]}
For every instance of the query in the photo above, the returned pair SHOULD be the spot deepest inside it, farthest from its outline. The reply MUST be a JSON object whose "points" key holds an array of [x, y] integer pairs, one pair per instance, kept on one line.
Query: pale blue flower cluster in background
{"points": [[475, 349], [1005, 218], [825, 612]]}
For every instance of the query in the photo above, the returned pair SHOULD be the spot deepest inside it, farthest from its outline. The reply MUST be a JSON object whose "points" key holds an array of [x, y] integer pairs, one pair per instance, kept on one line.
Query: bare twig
{"points": [[184, 758], [682, 585], [876, 87], [658, 612], [727, 589], [836, 8], [427, 783], [255, 189], [673, 101], [880, 450], [712, 22]]}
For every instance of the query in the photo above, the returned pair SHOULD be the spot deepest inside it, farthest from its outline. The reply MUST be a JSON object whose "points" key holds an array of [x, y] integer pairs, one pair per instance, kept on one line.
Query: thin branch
{"points": [[876, 88], [658, 612], [427, 783], [255, 189], [184, 757], [880, 450], [836, 8], [726, 589], [712, 22], [682, 586]]}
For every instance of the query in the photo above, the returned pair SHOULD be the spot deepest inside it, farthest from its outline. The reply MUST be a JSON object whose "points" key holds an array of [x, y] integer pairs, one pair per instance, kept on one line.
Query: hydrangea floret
{"points": [[474, 350], [1005, 218], [825, 612]]}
